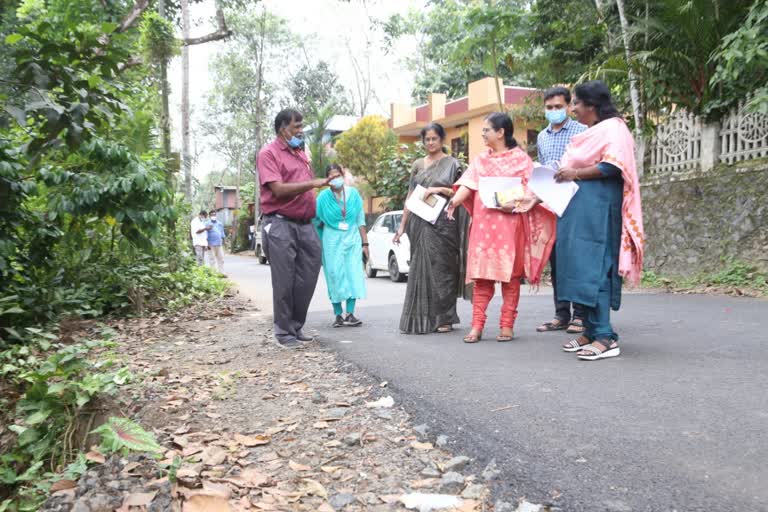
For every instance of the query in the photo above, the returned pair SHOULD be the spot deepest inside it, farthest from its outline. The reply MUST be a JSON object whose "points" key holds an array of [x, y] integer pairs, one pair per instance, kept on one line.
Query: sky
{"points": [[328, 25]]}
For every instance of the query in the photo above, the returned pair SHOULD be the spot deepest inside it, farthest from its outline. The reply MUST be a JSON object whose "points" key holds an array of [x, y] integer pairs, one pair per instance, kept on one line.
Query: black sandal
{"points": [[554, 325], [576, 326]]}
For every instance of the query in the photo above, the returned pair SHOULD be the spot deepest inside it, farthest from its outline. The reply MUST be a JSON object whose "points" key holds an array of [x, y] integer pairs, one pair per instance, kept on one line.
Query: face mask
{"points": [[337, 182], [213, 218], [294, 142], [556, 116]]}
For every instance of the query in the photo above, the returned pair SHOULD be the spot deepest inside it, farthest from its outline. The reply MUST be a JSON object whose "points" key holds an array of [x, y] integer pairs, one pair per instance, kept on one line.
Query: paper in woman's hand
{"points": [[489, 186], [555, 195], [428, 210]]}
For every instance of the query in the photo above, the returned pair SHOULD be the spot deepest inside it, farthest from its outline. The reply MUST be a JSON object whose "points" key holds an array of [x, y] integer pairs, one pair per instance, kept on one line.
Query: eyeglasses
{"points": [[486, 130]]}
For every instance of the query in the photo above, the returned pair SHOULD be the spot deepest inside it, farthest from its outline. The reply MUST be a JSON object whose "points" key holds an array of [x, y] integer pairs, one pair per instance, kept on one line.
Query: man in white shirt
{"points": [[199, 232]]}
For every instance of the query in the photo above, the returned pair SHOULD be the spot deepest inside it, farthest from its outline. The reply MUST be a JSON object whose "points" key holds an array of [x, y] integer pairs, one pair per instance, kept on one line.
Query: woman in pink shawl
{"points": [[600, 235], [505, 244]]}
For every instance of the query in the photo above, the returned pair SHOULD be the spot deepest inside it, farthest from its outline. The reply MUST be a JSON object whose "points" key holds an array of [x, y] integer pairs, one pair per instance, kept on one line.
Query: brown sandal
{"points": [[473, 338]]}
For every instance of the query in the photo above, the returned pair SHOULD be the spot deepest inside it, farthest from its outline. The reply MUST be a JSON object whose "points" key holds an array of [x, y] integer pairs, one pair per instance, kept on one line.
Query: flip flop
{"points": [[444, 329]]}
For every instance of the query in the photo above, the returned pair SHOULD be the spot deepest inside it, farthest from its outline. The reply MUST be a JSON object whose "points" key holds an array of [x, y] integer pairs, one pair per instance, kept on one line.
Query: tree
{"points": [[679, 41], [393, 174], [742, 60], [314, 86], [238, 110], [222, 32], [460, 41], [363, 146], [318, 120], [633, 93]]}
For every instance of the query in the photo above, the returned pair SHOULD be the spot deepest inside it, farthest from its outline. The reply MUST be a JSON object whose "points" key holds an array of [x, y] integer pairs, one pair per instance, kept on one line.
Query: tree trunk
{"points": [[165, 136], [496, 76], [186, 159], [633, 93], [236, 216], [259, 110]]}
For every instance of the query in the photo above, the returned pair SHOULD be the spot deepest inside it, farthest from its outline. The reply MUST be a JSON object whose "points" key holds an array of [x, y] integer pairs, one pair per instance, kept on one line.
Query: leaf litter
{"points": [[248, 426]]}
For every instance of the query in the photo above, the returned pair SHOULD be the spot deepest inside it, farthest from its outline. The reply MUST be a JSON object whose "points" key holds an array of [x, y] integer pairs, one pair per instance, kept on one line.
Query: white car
{"points": [[385, 255]]}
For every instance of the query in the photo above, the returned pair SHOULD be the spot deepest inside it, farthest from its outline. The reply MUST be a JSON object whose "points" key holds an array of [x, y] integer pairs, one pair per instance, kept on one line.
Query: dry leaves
{"points": [[251, 441], [95, 456], [63, 485], [298, 467]]}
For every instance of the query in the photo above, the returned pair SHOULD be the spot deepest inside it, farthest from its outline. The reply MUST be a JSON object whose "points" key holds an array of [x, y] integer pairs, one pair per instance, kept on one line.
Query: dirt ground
{"points": [[253, 426]]}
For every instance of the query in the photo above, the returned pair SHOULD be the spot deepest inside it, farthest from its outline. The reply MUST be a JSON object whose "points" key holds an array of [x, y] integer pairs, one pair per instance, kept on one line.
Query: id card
{"points": [[343, 226]]}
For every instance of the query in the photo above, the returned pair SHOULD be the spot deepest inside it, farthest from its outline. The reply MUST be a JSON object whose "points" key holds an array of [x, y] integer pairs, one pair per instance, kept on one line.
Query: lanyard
{"points": [[343, 203]]}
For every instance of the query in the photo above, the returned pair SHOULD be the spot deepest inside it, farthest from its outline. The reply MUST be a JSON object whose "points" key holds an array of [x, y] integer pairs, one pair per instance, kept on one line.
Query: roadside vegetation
{"points": [[90, 226]]}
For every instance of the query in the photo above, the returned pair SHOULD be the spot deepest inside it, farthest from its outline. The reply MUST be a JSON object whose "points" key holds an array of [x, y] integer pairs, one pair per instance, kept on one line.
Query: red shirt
{"points": [[279, 163]]}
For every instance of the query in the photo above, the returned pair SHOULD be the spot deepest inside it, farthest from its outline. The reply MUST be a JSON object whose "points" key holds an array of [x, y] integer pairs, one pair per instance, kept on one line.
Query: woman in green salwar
{"points": [[600, 235], [340, 223]]}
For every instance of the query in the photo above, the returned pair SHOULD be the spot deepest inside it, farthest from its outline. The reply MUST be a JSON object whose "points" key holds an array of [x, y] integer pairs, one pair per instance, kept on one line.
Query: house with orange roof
{"points": [[463, 117]]}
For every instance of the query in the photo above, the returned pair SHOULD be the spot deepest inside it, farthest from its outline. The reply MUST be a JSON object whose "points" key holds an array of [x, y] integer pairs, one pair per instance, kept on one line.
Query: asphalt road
{"points": [[678, 422]]}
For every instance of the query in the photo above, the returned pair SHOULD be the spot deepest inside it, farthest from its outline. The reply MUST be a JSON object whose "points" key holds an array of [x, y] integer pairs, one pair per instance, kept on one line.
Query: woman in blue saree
{"points": [[340, 223]]}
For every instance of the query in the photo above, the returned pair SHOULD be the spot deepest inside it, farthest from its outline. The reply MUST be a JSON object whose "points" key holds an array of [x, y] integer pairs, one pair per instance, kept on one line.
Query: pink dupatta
{"points": [[610, 141]]}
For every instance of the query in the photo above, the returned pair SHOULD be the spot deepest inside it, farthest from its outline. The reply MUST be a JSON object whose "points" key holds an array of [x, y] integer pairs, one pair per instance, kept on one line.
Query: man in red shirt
{"points": [[290, 241]]}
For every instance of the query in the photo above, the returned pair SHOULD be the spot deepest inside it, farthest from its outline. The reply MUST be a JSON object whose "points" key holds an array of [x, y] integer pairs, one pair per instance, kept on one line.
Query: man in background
{"points": [[215, 243], [551, 144], [199, 232]]}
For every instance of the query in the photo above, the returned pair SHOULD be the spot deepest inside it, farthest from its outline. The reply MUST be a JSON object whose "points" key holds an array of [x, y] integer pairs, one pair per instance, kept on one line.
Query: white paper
{"points": [[489, 185], [385, 401], [553, 194], [429, 502], [417, 206]]}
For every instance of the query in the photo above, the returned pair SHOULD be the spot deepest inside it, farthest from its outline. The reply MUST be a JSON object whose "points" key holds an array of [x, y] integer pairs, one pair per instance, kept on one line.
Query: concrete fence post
{"points": [[710, 146], [640, 143]]}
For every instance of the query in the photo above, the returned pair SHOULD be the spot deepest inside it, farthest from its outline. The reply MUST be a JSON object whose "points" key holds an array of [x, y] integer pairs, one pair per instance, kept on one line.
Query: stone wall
{"points": [[695, 221]]}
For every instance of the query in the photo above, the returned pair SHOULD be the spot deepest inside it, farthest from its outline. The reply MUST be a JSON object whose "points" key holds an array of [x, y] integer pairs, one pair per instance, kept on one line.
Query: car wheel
{"points": [[369, 270], [260, 255], [394, 270]]}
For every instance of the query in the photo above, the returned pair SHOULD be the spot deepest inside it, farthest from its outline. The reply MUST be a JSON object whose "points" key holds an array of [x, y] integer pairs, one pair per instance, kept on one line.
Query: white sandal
{"points": [[598, 353], [573, 345]]}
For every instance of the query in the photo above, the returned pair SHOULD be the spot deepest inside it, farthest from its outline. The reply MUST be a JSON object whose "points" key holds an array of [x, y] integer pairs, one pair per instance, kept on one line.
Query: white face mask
{"points": [[213, 217]]}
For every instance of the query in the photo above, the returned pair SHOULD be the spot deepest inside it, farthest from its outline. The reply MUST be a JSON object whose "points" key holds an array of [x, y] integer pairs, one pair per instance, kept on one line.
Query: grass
{"points": [[733, 278]]}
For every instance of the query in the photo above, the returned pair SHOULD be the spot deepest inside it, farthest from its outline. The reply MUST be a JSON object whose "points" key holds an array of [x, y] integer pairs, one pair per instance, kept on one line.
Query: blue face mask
{"points": [[294, 142], [337, 182], [556, 116]]}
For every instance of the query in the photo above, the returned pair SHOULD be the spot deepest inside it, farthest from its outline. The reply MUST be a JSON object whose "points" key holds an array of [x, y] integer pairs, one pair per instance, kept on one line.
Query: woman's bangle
{"points": [[365, 244]]}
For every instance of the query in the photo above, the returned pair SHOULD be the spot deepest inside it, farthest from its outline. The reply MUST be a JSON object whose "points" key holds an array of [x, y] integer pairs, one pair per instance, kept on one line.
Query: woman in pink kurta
{"points": [[505, 244]]}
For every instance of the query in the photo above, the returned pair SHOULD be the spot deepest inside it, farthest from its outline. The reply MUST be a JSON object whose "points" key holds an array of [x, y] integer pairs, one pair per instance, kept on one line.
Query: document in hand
{"points": [[491, 185], [553, 194], [427, 211]]}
